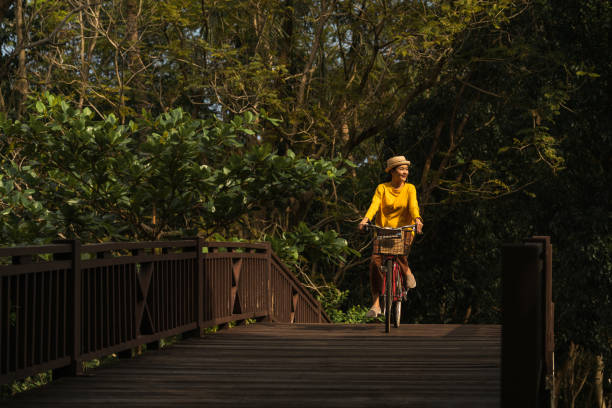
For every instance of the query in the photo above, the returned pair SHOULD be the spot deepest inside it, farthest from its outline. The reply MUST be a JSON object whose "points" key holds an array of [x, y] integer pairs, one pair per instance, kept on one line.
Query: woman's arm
{"points": [[374, 207], [413, 208]]}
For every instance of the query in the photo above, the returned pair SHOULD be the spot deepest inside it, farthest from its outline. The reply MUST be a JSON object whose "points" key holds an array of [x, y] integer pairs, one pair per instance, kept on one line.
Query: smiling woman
{"points": [[396, 204]]}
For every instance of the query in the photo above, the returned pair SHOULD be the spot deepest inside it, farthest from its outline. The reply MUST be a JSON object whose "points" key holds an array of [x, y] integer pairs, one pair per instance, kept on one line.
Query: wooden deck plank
{"points": [[281, 365]]}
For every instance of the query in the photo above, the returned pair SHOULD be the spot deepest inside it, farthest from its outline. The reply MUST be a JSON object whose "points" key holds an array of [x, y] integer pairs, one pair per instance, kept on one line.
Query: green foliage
{"points": [[334, 302], [305, 245], [97, 179], [25, 219], [100, 362], [27, 384]]}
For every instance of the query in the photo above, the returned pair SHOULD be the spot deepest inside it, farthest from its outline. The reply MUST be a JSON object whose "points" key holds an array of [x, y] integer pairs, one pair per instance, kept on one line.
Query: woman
{"points": [[396, 205]]}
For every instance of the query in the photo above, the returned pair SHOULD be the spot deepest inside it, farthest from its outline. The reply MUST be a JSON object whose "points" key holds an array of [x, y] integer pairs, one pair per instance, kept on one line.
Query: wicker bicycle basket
{"points": [[392, 242]]}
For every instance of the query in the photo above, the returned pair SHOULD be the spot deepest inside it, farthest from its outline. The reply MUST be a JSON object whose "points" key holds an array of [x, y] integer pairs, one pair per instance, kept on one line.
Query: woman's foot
{"points": [[373, 312]]}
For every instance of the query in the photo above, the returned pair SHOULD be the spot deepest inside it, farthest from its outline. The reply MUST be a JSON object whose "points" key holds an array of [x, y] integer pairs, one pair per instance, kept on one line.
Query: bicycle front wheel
{"points": [[397, 313], [389, 293]]}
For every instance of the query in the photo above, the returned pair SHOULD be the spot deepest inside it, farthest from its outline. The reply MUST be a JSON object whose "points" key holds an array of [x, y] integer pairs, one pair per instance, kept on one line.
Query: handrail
{"points": [[35, 249], [299, 287], [63, 303]]}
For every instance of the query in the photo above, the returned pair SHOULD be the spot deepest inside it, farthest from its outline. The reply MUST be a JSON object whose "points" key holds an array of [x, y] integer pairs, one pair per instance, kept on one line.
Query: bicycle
{"points": [[390, 243]]}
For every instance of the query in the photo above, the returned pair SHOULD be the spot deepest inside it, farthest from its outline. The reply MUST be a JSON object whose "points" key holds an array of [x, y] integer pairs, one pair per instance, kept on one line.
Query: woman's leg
{"points": [[409, 279], [408, 276], [376, 281]]}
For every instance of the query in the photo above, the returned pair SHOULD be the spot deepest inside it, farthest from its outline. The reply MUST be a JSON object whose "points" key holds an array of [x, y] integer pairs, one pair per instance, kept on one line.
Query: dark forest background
{"points": [[272, 120]]}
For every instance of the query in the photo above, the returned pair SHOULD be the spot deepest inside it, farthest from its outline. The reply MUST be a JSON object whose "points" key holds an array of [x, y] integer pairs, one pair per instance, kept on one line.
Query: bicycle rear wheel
{"points": [[389, 293]]}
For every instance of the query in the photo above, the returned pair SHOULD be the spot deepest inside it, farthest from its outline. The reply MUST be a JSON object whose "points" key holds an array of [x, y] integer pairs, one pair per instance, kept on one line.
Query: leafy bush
{"points": [[334, 302], [69, 174]]}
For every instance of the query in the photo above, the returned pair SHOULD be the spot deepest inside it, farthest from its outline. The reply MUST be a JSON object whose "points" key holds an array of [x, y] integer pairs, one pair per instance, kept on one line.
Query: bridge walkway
{"points": [[298, 365]]}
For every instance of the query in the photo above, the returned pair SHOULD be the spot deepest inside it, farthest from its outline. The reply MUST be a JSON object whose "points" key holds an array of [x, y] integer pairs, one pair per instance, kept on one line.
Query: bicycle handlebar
{"points": [[369, 225]]}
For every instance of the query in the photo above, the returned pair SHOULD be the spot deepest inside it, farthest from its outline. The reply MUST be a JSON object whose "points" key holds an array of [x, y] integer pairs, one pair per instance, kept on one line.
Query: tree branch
{"points": [[51, 36], [479, 89], [393, 118]]}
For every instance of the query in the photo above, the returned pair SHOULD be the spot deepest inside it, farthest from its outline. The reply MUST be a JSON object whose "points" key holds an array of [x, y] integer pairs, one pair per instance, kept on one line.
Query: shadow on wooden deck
{"points": [[310, 365]]}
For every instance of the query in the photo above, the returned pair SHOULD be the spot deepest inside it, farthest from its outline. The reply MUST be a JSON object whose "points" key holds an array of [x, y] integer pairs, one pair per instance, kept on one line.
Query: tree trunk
{"points": [[90, 18], [4, 6], [2, 104], [84, 75], [426, 186], [309, 68], [134, 60], [287, 36], [131, 8], [22, 80], [599, 377]]}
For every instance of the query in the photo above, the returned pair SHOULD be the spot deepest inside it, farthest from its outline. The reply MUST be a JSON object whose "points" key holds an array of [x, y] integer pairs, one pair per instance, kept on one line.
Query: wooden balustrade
{"points": [[64, 303]]}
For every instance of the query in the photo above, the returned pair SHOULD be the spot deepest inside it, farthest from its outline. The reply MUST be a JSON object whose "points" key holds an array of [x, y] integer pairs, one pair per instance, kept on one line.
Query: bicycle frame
{"points": [[391, 244], [397, 279]]}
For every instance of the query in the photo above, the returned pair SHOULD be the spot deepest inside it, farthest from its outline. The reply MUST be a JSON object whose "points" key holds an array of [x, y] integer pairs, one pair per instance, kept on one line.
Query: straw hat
{"points": [[396, 161]]}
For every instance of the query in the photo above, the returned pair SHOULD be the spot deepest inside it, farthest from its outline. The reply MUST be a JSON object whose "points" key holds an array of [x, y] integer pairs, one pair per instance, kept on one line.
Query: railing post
{"points": [[269, 279], [198, 302], [548, 323], [74, 333], [200, 283], [527, 331], [77, 363]]}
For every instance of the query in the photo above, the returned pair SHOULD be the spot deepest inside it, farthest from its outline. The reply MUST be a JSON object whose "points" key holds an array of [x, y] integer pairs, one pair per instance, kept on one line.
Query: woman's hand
{"points": [[363, 223], [419, 225]]}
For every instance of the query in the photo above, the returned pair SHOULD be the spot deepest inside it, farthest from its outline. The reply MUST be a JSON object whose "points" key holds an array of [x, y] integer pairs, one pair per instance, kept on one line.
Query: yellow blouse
{"points": [[395, 207]]}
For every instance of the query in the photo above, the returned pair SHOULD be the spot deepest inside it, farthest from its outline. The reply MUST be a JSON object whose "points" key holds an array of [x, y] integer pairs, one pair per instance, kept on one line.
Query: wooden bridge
{"points": [[299, 365], [66, 303]]}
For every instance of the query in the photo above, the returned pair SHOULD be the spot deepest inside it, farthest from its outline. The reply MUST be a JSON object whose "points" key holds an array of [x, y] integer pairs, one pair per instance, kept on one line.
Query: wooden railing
{"points": [[65, 303]]}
